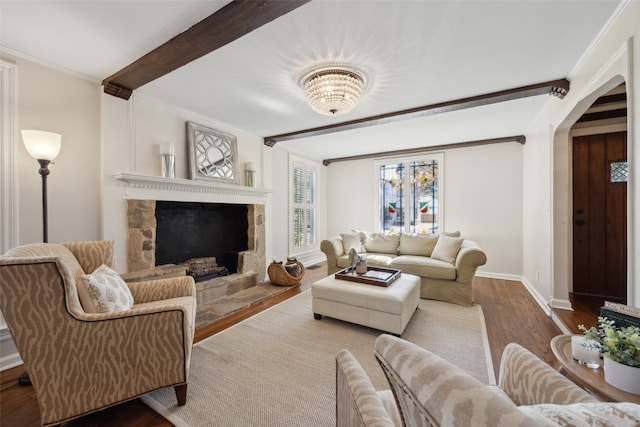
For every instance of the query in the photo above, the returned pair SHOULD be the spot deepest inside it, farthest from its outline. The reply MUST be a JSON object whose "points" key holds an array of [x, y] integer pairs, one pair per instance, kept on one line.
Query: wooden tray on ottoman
{"points": [[374, 276]]}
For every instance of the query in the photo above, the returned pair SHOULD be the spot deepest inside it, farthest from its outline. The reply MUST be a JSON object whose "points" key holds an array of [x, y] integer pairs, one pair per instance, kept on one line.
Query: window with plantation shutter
{"points": [[303, 206]]}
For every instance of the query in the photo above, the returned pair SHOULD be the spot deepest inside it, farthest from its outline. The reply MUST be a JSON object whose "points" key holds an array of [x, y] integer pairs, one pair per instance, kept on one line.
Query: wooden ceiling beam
{"points": [[231, 22], [517, 138], [557, 88]]}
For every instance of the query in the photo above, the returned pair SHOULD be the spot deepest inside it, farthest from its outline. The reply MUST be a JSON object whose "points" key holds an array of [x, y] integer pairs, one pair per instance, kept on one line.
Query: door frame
{"points": [[561, 200]]}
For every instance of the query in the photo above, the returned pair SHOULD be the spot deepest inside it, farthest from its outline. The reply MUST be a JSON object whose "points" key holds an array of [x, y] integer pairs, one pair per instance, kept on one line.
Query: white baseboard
{"points": [[561, 304], [9, 357], [536, 296], [502, 276]]}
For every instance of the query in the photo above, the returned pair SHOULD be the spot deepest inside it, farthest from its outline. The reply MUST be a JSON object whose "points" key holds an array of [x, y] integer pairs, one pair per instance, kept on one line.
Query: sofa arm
{"points": [[357, 401], [469, 258], [333, 249], [528, 380], [155, 290]]}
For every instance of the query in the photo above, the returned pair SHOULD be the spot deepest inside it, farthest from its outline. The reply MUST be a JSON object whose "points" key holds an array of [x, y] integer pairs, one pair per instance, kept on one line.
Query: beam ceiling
{"points": [[557, 88], [224, 26]]}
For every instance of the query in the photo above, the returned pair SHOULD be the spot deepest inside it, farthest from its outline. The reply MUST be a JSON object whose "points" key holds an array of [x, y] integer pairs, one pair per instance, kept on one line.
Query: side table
{"points": [[591, 380]]}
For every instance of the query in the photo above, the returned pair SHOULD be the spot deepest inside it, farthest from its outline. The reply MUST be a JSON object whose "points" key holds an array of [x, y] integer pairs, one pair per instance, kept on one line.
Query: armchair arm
{"points": [[333, 249], [155, 290], [469, 258], [527, 380]]}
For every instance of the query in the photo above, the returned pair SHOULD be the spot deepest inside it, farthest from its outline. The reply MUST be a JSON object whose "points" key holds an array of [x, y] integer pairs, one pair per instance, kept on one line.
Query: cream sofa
{"points": [[445, 263], [426, 390]]}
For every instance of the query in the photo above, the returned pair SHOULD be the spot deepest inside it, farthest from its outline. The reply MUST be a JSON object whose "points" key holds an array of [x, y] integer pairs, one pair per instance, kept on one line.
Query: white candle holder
{"points": [[250, 174], [585, 356], [168, 160]]}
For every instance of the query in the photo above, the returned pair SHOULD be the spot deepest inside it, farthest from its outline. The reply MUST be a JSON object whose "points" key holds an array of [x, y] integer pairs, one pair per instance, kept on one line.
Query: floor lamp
{"points": [[44, 147]]}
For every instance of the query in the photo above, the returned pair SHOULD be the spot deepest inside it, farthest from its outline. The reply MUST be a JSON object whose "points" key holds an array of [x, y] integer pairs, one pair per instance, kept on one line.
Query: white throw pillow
{"points": [[350, 241], [412, 244], [447, 249], [104, 291]]}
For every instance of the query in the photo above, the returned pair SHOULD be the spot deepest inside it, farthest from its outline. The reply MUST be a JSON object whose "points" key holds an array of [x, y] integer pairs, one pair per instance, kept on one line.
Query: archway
{"points": [[562, 258]]}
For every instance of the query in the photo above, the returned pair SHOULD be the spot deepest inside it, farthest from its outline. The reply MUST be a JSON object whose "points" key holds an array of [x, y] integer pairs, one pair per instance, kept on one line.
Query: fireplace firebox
{"points": [[188, 230]]}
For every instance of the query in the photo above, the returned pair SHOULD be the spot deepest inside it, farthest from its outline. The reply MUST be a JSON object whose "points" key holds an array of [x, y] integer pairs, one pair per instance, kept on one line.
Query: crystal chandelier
{"points": [[333, 90]]}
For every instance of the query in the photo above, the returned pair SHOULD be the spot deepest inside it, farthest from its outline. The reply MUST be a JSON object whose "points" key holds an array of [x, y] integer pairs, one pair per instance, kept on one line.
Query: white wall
{"points": [[482, 199], [613, 59], [57, 102]]}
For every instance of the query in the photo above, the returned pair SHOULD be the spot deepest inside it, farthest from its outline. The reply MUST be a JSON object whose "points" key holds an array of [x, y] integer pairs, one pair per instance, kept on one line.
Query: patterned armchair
{"points": [[80, 362], [429, 391]]}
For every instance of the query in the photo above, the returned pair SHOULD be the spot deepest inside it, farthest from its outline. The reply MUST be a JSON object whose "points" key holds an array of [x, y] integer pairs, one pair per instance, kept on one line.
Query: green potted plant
{"points": [[620, 347]]}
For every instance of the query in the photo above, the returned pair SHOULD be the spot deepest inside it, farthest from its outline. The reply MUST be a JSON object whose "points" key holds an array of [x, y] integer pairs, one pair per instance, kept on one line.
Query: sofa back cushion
{"points": [[383, 243], [417, 244], [431, 391], [350, 241]]}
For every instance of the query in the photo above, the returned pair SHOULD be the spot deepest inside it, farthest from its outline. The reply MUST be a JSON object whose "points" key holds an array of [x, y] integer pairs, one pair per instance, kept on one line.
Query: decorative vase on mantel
{"points": [[624, 377]]}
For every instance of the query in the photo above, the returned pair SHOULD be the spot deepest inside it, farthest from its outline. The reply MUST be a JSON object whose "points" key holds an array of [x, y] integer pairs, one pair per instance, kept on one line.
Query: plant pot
{"points": [[361, 267], [624, 377]]}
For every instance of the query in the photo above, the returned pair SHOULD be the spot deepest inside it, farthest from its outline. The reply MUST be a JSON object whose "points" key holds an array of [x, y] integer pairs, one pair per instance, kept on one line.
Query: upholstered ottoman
{"points": [[386, 308]]}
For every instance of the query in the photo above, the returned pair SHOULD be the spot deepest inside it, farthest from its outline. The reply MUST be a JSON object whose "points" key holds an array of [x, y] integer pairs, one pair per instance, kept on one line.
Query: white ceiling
{"points": [[414, 53]]}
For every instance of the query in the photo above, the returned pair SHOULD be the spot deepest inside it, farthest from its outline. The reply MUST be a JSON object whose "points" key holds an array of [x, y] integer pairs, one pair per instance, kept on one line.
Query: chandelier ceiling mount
{"points": [[333, 90]]}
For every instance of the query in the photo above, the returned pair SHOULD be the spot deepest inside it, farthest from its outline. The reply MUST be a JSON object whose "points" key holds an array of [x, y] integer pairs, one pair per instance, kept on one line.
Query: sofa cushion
{"points": [[104, 291], [417, 244], [383, 243], [424, 267], [447, 249], [376, 260], [621, 414], [350, 241]]}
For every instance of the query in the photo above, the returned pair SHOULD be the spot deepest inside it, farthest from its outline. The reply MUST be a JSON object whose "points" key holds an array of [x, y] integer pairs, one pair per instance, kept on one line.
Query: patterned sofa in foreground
{"points": [[426, 390]]}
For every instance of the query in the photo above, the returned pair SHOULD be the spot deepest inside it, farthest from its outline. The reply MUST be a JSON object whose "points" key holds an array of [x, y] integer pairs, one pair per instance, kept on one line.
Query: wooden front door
{"points": [[600, 215]]}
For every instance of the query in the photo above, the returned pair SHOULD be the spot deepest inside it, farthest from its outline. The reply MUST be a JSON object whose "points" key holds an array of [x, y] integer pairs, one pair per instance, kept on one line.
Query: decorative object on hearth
{"points": [[333, 90], [250, 174], [621, 352], [168, 159], [287, 274], [44, 147], [212, 154]]}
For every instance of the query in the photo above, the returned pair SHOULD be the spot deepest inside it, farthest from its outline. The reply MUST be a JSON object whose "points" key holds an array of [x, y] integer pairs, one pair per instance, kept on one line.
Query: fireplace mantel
{"points": [[158, 183]]}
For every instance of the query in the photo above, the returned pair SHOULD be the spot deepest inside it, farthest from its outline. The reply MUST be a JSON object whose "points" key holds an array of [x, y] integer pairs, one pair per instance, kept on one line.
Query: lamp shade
{"points": [[42, 145]]}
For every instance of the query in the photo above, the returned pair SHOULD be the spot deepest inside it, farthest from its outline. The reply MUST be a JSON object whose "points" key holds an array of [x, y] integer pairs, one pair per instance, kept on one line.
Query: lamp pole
{"points": [[44, 172]]}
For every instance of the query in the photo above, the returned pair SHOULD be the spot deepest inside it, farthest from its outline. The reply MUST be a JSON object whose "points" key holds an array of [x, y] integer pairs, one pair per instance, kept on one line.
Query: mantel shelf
{"points": [[135, 180]]}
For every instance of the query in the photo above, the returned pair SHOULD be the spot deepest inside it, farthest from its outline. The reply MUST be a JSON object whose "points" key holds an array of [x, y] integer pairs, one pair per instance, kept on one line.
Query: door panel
{"points": [[599, 217]]}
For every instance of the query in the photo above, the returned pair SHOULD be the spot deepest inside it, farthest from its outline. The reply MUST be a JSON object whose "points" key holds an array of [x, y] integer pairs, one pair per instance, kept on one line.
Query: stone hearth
{"points": [[215, 297]]}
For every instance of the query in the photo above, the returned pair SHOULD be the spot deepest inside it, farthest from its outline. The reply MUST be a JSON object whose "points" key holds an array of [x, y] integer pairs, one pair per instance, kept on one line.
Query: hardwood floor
{"points": [[511, 315]]}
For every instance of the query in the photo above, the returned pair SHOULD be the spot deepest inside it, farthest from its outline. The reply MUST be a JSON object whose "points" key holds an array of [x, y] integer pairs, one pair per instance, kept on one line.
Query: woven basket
{"points": [[280, 276]]}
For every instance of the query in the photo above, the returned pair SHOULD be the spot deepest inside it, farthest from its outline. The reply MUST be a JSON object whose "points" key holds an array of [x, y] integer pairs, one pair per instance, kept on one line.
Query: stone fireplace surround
{"points": [[141, 238], [140, 193]]}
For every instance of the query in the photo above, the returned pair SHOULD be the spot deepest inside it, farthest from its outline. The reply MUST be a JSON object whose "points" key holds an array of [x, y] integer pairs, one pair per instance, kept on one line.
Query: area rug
{"points": [[278, 368]]}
